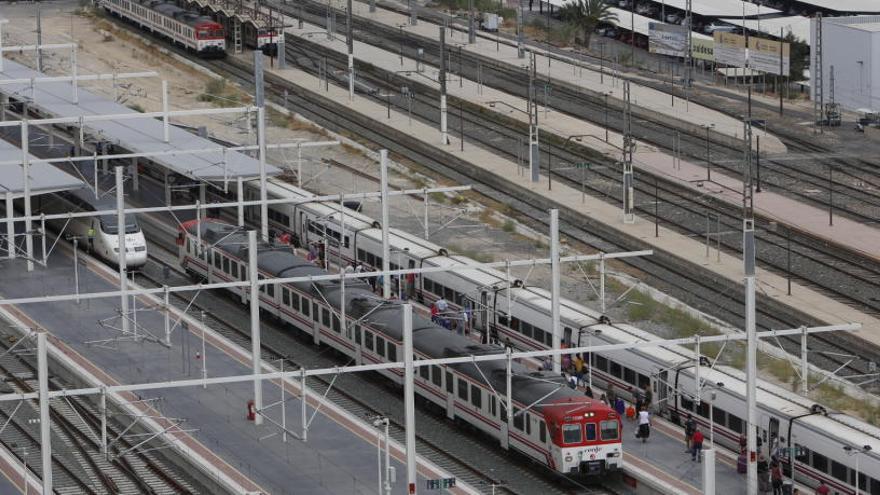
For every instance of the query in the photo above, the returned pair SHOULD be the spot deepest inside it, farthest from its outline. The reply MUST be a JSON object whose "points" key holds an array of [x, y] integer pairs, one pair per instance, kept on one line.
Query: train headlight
{"points": [[568, 458]]}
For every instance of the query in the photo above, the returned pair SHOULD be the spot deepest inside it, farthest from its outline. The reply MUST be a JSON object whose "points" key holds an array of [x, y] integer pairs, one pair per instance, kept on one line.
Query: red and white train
{"points": [[550, 423], [195, 32]]}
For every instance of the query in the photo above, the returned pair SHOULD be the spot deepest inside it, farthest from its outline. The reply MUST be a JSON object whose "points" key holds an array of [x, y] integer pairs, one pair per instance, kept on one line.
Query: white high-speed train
{"points": [[509, 310], [105, 243]]}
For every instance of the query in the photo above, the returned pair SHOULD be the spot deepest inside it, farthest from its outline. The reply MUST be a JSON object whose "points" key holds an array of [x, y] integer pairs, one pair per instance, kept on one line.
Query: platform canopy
{"points": [[798, 25], [44, 177], [846, 6], [641, 23], [135, 135], [708, 8]]}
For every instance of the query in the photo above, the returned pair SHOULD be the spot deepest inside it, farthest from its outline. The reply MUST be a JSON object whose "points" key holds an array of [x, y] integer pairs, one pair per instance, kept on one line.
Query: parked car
{"points": [[711, 28]]}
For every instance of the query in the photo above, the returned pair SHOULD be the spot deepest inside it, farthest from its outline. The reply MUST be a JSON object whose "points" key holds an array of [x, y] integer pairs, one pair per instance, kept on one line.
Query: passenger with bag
{"points": [[644, 425]]}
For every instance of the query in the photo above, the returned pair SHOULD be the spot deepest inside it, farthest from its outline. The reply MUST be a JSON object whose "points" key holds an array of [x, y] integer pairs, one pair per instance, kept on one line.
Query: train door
{"points": [[772, 435], [661, 389], [304, 229]]}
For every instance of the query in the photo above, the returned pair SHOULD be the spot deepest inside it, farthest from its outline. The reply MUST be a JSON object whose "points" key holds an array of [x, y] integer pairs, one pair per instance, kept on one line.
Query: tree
{"points": [[586, 15]]}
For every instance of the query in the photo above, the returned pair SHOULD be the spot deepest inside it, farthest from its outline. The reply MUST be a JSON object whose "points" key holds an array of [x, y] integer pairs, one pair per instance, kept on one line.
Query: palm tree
{"points": [[586, 15]]}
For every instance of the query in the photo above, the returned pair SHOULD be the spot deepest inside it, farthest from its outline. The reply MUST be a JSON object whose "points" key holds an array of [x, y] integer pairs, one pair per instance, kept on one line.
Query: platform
{"points": [[339, 456], [43, 177]]}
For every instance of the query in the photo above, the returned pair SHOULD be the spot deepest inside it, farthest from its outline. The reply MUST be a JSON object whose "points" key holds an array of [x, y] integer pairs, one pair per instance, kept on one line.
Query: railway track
{"points": [[469, 456], [678, 206], [855, 182], [78, 464]]}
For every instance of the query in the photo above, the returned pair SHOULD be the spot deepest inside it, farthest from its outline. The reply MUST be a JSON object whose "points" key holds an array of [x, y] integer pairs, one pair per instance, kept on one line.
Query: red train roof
{"points": [[575, 409]]}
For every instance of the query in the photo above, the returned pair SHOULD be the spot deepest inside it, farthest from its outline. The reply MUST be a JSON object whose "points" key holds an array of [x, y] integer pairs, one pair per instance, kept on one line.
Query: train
{"points": [[197, 33], [105, 242], [551, 423], [505, 309]]}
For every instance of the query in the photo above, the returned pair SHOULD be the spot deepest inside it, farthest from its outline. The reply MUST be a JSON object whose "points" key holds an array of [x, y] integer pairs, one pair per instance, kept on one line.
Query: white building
{"points": [[851, 45]]}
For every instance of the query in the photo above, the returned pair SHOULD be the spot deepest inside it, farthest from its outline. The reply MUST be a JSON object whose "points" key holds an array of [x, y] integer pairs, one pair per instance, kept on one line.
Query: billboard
{"points": [[702, 49], [763, 55], [667, 39]]}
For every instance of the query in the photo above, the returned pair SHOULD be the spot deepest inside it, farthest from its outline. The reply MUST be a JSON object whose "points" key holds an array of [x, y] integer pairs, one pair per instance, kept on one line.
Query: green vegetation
{"points": [[508, 226], [490, 6], [481, 256], [586, 16], [221, 94]]}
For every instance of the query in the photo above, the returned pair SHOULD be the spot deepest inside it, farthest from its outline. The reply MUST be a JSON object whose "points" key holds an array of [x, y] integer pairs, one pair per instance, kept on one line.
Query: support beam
{"points": [[135, 181], [45, 420], [709, 471], [386, 248], [805, 367], [261, 140], [166, 130], [10, 226], [555, 287], [74, 84], [409, 398], [255, 325], [349, 41], [751, 360], [26, 172], [239, 195], [123, 272], [444, 136]]}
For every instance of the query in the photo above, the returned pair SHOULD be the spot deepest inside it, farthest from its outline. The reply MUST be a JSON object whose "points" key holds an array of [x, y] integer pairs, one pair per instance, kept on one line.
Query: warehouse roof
{"points": [[854, 6], [642, 23], [798, 25], [136, 135]]}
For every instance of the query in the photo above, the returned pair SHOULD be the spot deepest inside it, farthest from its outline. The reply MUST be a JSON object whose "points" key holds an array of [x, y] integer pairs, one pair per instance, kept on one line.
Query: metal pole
{"points": [[167, 307], [387, 458], [239, 190], [472, 33], [261, 139], [299, 165], [461, 122], [709, 471], [555, 286], [751, 355], [166, 129], [758, 163], [520, 52], [255, 326], [708, 162], [602, 282], [26, 173], [120, 226], [781, 75], [444, 138], [283, 407], [10, 225], [386, 249], [804, 362], [426, 214], [656, 209], [409, 398], [788, 259], [76, 268], [350, 44], [830, 195], [606, 117], [73, 71], [39, 40], [204, 356], [509, 398], [303, 412], [103, 407], [45, 421]]}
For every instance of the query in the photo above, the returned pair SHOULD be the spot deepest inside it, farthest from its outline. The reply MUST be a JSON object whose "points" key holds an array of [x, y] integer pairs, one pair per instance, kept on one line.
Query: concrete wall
{"points": [[855, 55]]}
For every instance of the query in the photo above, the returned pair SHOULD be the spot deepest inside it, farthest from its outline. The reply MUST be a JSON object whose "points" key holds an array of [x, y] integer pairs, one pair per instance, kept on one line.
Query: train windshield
{"points": [[571, 433], [108, 225], [609, 429]]}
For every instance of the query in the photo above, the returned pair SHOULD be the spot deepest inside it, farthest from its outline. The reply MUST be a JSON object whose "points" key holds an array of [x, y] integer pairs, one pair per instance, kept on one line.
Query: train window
{"points": [[449, 294], [840, 471], [361, 255], [875, 487], [315, 313], [380, 347], [644, 381], [518, 419], [425, 372], [629, 376], [285, 296], [542, 431], [436, 376], [802, 454], [601, 363], [525, 328], [226, 268], [325, 317], [392, 351], [734, 423], [863, 480], [571, 434], [616, 370], [538, 334], [357, 334], [686, 403], [371, 260], [270, 289], [514, 324], [528, 421], [476, 396], [449, 382], [591, 431], [548, 338], [345, 243], [305, 307], [217, 260], [462, 390], [719, 416], [294, 301], [703, 409], [820, 462], [336, 325], [428, 285], [609, 429], [368, 340], [234, 267]]}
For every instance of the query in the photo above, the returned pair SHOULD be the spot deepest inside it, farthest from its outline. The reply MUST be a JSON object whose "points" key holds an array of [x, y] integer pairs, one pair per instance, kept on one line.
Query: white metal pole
{"points": [[120, 227], [261, 141], [751, 372], [379, 461], [387, 458], [697, 379], [2, 22], [10, 226], [239, 191], [255, 325], [602, 282], [73, 71], [204, 356], [555, 287], [857, 471], [43, 237], [590, 362], [299, 166], [709, 471], [45, 431], [509, 398], [805, 367], [409, 398], [166, 128], [76, 268], [167, 316], [26, 172], [283, 407], [104, 421], [386, 249], [426, 215], [303, 413]]}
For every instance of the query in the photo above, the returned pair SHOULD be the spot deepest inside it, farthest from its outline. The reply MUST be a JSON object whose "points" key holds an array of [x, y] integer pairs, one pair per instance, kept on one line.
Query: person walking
{"points": [[690, 426], [763, 474], [588, 391], [91, 236], [612, 396], [822, 489], [696, 445], [644, 425], [619, 406], [776, 476]]}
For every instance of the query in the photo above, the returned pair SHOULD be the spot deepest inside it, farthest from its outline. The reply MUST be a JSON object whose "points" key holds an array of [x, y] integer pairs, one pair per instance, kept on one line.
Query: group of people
{"points": [[457, 321]]}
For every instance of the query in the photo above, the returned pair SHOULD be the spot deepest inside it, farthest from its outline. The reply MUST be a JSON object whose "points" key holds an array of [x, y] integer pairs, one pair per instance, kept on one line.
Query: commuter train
{"points": [[551, 423], [195, 32], [506, 309], [105, 243]]}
